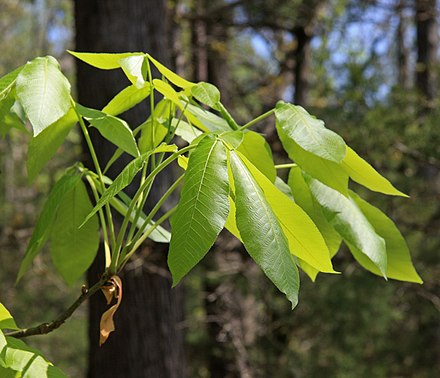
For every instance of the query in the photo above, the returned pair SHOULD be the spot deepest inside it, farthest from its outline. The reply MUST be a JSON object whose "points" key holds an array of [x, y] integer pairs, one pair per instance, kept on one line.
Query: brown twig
{"points": [[45, 328]]}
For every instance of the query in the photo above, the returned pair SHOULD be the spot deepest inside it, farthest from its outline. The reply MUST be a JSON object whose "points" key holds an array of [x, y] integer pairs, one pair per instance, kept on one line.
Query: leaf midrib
{"points": [[194, 208]]}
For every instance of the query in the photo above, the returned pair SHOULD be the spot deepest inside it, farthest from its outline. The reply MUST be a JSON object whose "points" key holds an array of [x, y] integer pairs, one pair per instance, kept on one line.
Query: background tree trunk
{"points": [[426, 47], [148, 341]]}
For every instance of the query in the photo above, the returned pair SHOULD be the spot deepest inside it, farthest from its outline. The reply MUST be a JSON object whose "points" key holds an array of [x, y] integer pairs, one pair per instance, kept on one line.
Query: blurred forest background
{"points": [[371, 70]]}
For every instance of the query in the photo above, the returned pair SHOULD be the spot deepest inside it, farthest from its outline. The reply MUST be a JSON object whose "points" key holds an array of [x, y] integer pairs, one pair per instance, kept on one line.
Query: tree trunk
{"points": [[148, 341], [402, 50], [302, 63], [426, 47]]}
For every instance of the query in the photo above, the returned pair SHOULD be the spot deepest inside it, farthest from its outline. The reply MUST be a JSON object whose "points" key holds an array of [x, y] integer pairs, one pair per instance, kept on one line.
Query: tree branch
{"points": [[45, 328]]}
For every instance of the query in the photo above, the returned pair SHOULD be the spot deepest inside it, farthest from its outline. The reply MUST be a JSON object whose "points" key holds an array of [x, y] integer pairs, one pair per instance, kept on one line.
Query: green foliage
{"points": [[230, 181], [17, 358], [42, 86], [261, 231], [203, 207]]}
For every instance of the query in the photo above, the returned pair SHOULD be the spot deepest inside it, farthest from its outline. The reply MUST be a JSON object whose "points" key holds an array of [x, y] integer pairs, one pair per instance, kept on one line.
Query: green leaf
{"points": [[364, 174], [261, 232], [231, 224], [170, 75], [47, 217], [209, 121], [44, 92], [203, 207], [160, 117], [73, 249], [233, 139], [304, 239], [7, 81], [304, 198], [2, 338], [326, 171], [206, 93], [126, 99], [113, 129], [42, 147], [28, 361], [345, 216], [309, 132], [256, 149], [6, 320], [122, 181], [8, 118], [135, 68], [103, 61], [8, 373], [168, 91], [399, 265], [160, 132], [183, 129], [158, 235]]}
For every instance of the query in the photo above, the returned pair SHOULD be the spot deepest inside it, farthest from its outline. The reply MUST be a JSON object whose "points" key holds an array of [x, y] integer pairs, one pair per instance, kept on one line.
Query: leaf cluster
{"points": [[228, 180]]}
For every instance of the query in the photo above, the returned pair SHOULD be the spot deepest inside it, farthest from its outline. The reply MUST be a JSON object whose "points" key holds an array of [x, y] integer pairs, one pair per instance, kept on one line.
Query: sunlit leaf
{"points": [[309, 132], [114, 129], [147, 141], [183, 129], [7, 81], [261, 232], [126, 99], [6, 320], [345, 216], [232, 138], [28, 361], [399, 265], [304, 239], [202, 209], [364, 174], [44, 92], [168, 91], [258, 152], [304, 198], [72, 248], [135, 68], [326, 171], [45, 145], [103, 61], [170, 75], [209, 121], [206, 93], [8, 117]]}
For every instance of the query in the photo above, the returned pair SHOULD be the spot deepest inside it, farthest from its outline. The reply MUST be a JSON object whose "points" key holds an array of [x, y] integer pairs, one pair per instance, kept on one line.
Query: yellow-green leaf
{"points": [[170, 75], [103, 61], [126, 99], [6, 320], [399, 265], [305, 240], [363, 173]]}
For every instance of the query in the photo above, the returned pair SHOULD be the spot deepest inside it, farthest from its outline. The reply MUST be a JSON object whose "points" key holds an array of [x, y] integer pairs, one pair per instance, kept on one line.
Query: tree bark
{"points": [[148, 341], [302, 63], [426, 47], [402, 50]]}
